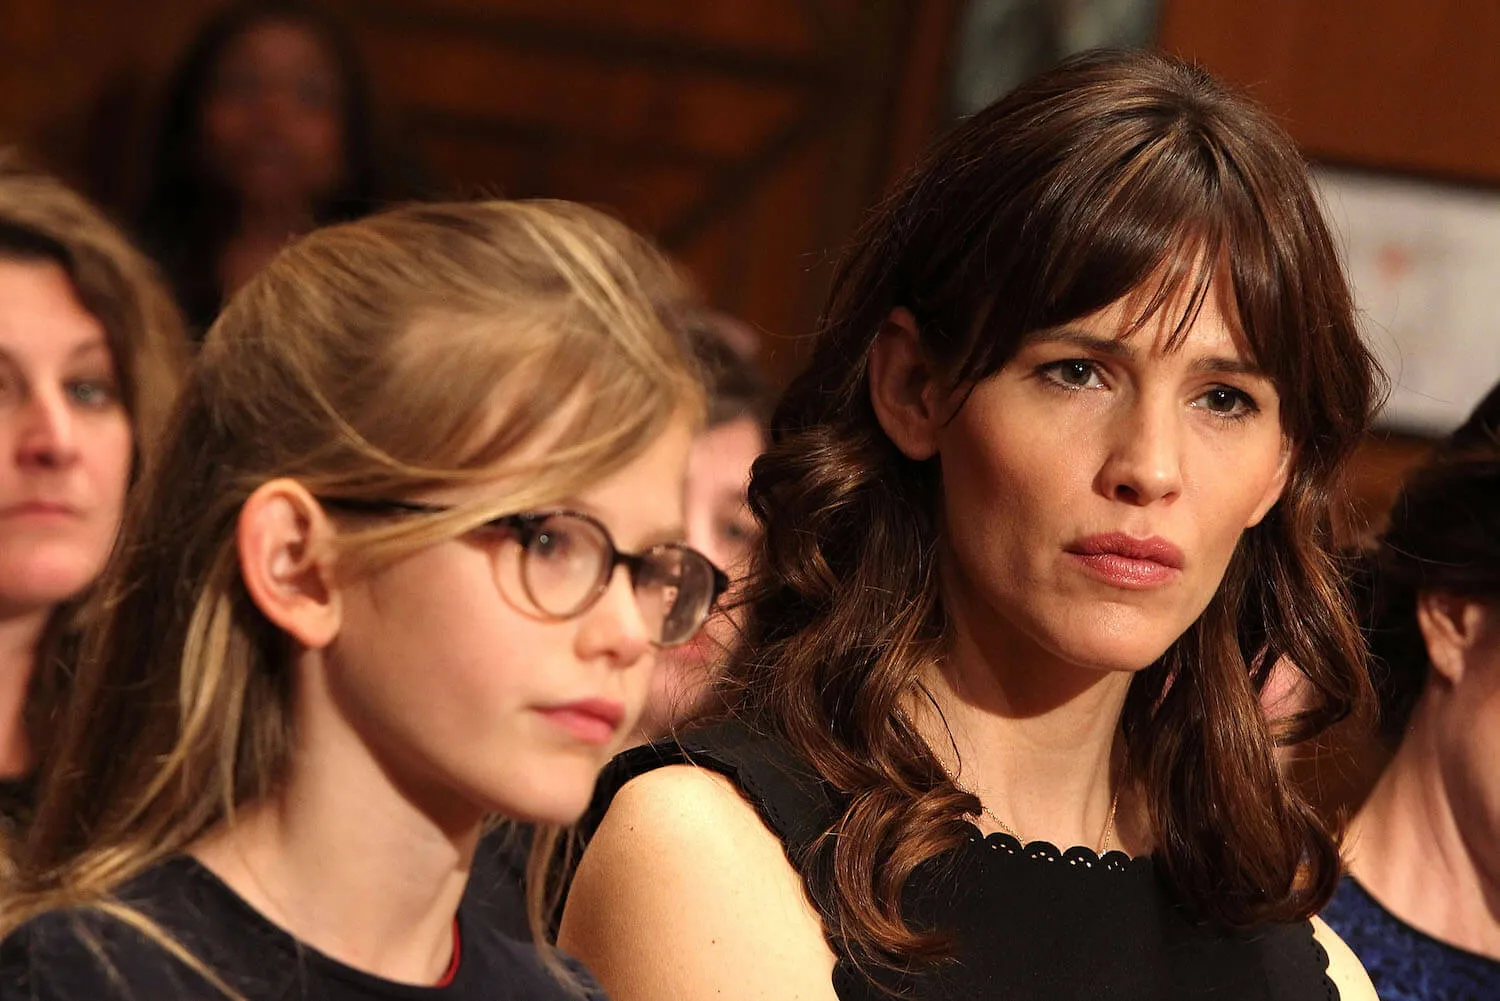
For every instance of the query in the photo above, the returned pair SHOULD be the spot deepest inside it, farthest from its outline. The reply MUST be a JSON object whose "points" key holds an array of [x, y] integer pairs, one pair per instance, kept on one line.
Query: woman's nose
{"points": [[1144, 465], [48, 433]]}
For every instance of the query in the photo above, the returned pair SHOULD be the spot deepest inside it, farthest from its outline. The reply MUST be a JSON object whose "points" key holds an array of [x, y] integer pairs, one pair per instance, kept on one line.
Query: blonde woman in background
{"points": [[90, 354], [404, 566]]}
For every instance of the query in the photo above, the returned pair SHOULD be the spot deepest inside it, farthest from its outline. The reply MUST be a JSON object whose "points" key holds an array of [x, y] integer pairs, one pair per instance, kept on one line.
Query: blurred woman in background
{"points": [[1421, 905], [267, 131], [719, 521], [91, 348]]}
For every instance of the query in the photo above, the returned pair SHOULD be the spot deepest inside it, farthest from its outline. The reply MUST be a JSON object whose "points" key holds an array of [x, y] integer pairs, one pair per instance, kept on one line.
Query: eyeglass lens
{"points": [[567, 563]]}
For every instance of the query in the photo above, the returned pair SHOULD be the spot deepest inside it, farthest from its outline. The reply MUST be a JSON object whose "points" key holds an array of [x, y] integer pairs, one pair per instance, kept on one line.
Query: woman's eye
{"points": [[737, 531], [315, 94], [1227, 401], [1074, 373], [237, 85], [92, 393]]}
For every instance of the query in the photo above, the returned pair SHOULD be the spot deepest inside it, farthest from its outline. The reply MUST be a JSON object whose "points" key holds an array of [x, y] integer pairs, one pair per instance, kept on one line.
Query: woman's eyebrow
{"points": [[1120, 348], [1227, 365], [93, 345], [1089, 342]]}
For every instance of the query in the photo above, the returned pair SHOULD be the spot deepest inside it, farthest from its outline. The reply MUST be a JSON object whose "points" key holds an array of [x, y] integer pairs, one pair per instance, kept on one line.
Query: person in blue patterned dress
{"points": [[1421, 905]]}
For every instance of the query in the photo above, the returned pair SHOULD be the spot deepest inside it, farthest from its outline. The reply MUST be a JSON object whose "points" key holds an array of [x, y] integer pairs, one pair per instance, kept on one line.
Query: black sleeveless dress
{"points": [[1031, 923]]}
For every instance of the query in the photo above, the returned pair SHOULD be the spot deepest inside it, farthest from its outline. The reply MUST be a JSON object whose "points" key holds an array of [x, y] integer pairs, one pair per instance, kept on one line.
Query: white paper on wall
{"points": [[1424, 260]]}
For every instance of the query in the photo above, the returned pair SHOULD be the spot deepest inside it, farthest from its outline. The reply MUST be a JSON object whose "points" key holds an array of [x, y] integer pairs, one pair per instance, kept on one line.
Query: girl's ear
{"points": [[904, 390], [285, 545]]}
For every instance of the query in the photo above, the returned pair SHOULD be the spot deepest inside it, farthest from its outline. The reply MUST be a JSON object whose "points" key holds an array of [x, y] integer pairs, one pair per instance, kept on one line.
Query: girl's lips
{"points": [[593, 721]]}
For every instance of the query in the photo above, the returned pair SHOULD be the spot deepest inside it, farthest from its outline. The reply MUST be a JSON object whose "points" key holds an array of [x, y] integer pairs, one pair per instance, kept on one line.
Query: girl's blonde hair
{"points": [[409, 351], [43, 221]]}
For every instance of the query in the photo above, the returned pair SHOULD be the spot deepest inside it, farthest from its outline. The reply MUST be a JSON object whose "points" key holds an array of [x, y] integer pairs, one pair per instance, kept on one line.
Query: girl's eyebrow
{"points": [[655, 537]]}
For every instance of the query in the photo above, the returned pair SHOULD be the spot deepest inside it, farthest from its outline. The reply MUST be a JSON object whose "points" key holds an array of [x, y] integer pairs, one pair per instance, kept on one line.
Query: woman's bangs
{"points": [[1163, 229], [1144, 229]]}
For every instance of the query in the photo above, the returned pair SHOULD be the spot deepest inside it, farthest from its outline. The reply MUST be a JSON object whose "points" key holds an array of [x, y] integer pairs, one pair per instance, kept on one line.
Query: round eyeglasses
{"points": [[568, 558]]}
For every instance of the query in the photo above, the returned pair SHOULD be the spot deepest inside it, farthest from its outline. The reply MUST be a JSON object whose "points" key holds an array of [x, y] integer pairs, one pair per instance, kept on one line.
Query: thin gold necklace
{"points": [[1109, 820], [1104, 836]]}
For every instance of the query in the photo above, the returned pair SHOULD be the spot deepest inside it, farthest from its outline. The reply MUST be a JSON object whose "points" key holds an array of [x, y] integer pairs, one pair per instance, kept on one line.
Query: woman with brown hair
{"points": [[1421, 904], [1048, 503], [403, 567], [90, 355]]}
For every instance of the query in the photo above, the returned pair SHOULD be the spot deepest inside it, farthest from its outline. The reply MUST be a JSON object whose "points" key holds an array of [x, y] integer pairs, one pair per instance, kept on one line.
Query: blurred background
{"points": [[750, 135]]}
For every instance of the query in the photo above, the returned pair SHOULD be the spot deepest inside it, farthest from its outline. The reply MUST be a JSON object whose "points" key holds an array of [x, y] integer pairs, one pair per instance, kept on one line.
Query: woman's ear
{"points": [[905, 392], [285, 546], [1451, 625], [1277, 486]]}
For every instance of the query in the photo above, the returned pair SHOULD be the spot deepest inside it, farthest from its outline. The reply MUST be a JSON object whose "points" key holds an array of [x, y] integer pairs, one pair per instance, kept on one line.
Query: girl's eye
{"points": [[554, 543], [1073, 373], [1226, 401]]}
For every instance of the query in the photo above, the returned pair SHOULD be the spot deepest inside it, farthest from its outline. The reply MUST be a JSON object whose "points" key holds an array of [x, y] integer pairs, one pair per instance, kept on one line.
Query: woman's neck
{"points": [[1408, 848], [263, 230], [348, 863], [1035, 741], [19, 638]]}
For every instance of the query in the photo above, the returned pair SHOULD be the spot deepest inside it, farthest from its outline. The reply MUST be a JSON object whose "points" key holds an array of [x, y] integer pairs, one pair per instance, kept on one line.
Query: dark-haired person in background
{"points": [[720, 523], [267, 131], [1421, 906], [1049, 502]]}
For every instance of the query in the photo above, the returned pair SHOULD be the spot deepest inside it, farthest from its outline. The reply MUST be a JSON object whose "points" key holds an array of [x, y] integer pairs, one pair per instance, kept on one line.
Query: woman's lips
{"points": [[1126, 561], [39, 509]]}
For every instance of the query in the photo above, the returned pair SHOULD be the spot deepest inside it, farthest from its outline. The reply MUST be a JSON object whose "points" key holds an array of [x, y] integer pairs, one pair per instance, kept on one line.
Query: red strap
{"points": [[453, 964]]}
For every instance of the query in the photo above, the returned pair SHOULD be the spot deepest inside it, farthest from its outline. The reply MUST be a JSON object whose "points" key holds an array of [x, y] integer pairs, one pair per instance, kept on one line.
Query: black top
{"points": [[1406, 964], [497, 882], [1029, 922], [57, 956]]}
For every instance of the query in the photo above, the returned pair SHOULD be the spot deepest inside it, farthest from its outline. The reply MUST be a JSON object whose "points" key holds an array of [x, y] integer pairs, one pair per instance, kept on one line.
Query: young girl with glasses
{"points": [[1049, 502], [403, 567]]}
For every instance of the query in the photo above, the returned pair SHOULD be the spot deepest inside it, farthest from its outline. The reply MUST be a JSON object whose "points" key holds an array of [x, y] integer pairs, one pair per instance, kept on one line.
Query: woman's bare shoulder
{"points": [[684, 892]]}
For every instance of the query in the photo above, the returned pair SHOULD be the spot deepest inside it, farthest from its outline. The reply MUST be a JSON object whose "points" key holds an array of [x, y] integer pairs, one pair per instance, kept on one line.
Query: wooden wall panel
{"points": [[787, 27], [748, 136], [1386, 85], [1380, 83]]}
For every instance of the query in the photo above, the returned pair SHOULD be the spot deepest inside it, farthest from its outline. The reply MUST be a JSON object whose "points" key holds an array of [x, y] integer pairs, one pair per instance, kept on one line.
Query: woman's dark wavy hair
{"points": [[1444, 535], [186, 214], [1087, 184]]}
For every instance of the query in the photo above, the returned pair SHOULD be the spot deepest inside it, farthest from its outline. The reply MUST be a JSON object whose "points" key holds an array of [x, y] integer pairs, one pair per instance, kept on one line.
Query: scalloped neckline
{"points": [[1078, 856]]}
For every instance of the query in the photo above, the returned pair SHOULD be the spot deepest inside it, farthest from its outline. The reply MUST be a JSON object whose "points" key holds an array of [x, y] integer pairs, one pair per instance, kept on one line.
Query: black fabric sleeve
{"points": [[792, 800]]}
